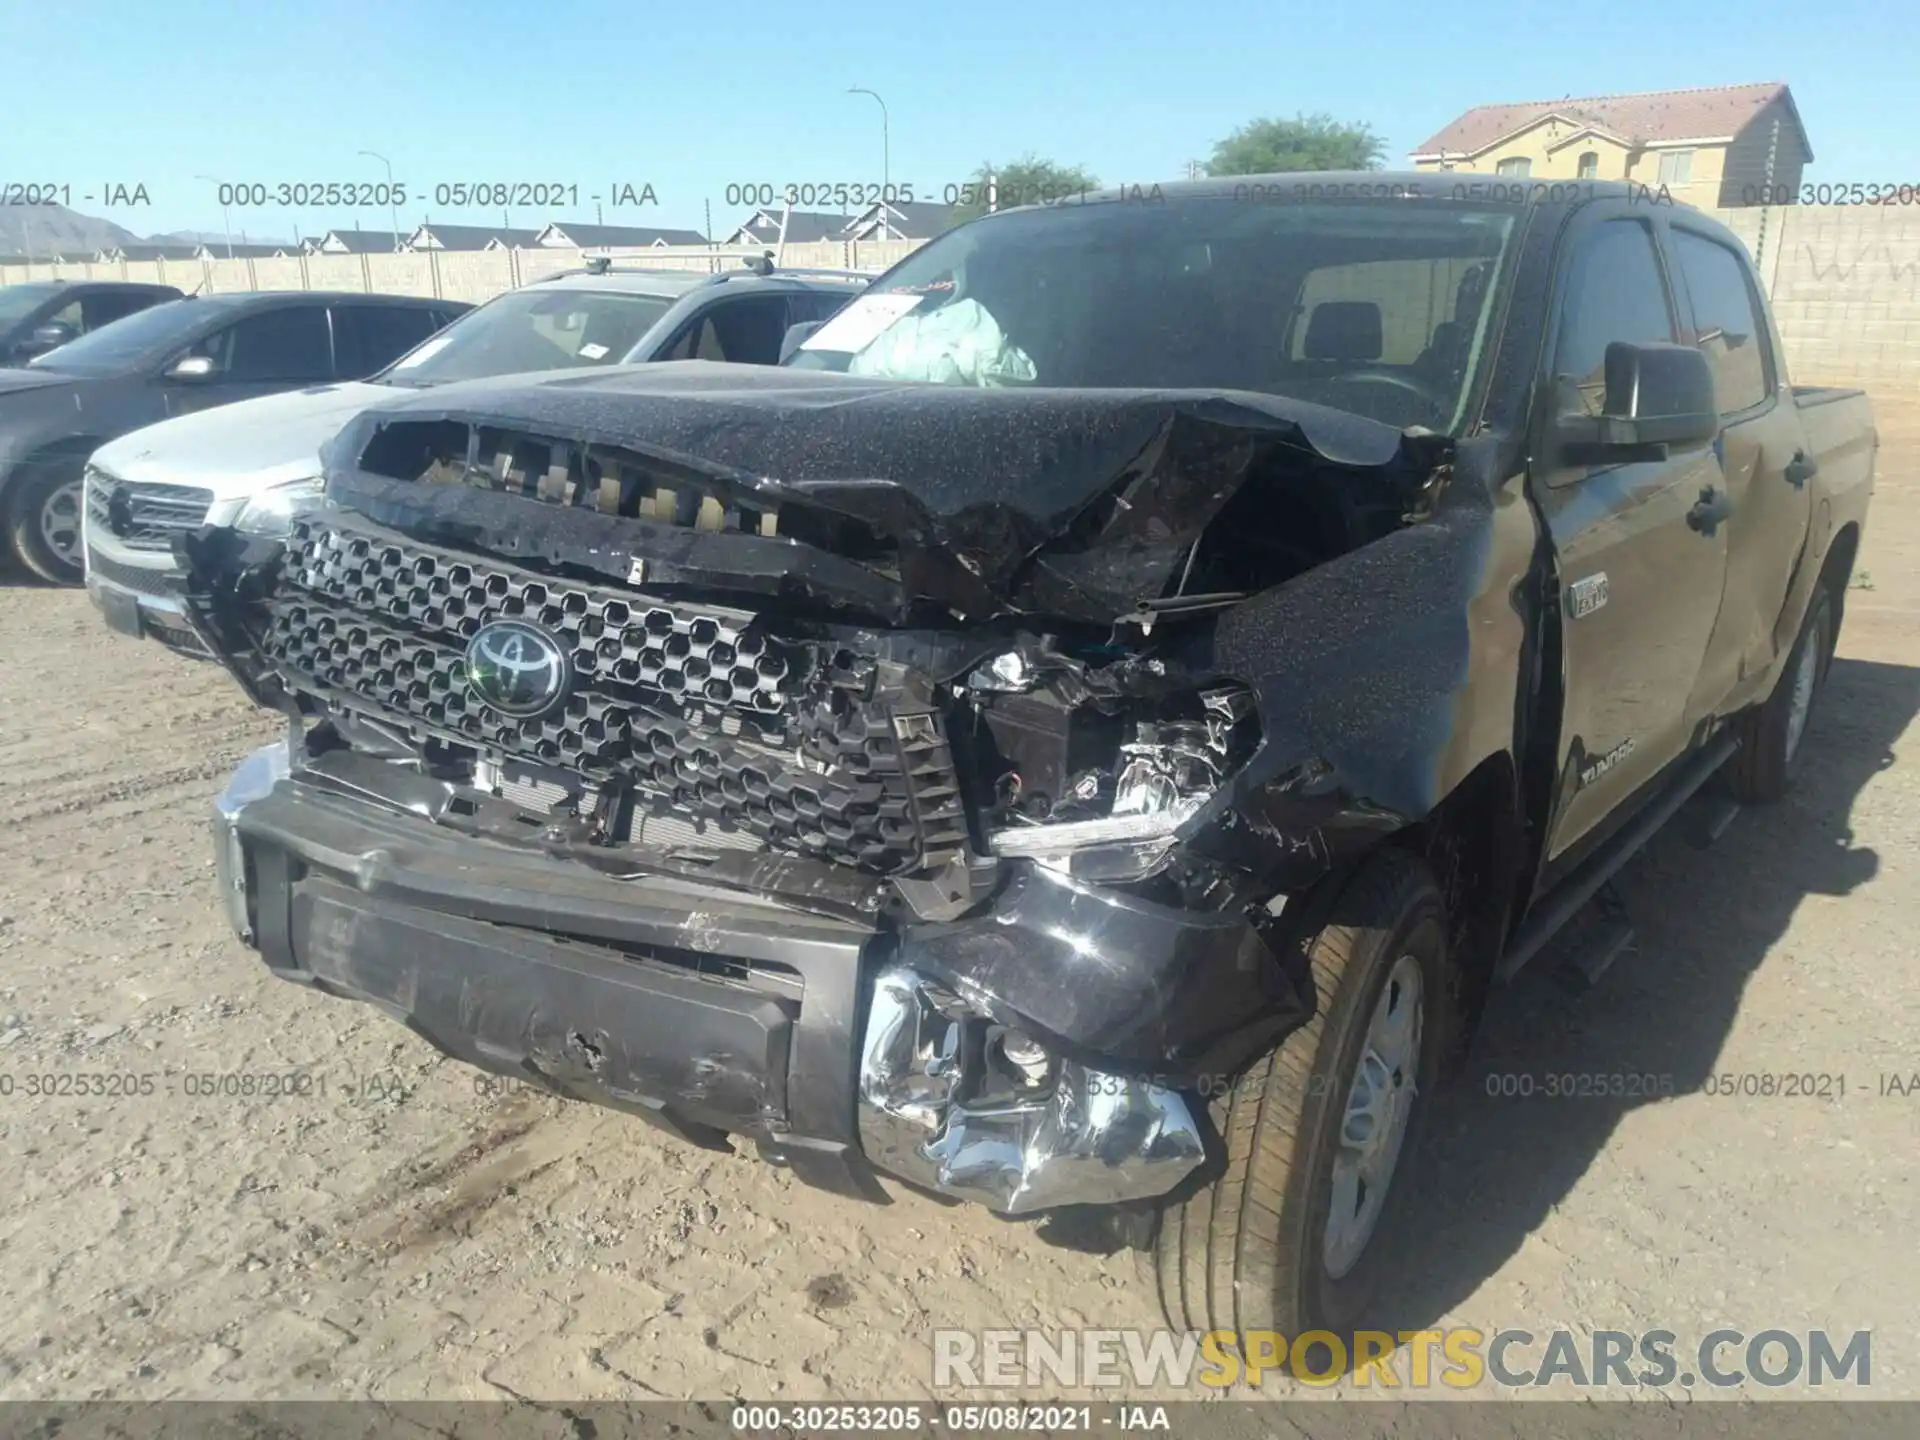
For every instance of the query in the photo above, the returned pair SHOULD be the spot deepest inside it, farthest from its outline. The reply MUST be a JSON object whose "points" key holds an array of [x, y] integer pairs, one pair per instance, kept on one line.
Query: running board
{"points": [[1578, 888], [1607, 937], [1708, 815]]}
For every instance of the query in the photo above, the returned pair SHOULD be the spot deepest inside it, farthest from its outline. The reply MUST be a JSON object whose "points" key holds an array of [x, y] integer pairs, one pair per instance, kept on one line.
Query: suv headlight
{"points": [[271, 511]]}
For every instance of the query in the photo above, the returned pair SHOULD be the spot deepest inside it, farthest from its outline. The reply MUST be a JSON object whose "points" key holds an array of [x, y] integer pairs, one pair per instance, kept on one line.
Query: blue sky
{"points": [[692, 97]]}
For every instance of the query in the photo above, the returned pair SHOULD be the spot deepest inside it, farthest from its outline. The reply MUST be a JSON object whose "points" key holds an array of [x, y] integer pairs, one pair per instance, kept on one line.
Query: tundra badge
{"points": [[1587, 594]]}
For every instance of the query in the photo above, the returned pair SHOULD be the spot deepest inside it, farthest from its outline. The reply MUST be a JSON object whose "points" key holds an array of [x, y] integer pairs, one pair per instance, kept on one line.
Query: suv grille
{"points": [[144, 517], [164, 584], [697, 707]]}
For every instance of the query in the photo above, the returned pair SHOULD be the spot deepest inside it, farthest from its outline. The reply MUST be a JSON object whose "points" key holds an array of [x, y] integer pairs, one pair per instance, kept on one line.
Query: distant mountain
{"points": [[191, 237], [56, 230]]}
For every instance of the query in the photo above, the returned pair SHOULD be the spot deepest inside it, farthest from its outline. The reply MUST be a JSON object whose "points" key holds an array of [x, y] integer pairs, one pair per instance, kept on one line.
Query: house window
{"points": [[1589, 166], [1521, 166], [1676, 167]]}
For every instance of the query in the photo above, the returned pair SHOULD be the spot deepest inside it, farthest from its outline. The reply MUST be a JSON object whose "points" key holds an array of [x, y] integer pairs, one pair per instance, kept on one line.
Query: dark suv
{"points": [[169, 360], [45, 314]]}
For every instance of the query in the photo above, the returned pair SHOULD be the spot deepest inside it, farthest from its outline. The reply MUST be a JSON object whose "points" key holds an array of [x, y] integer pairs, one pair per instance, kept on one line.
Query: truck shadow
{"points": [[1493, 1167]]}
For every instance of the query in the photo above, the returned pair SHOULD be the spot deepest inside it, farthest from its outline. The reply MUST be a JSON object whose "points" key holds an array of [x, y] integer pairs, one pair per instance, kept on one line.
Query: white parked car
{"points": [[252, 464]]}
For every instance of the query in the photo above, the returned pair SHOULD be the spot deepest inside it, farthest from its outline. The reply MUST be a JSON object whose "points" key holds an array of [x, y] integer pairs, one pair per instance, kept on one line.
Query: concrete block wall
{"points": [[1844, 280]]}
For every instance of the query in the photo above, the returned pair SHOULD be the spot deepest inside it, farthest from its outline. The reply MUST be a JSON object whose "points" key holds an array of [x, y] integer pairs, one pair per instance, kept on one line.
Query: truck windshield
{"points": [[1373, 307], [532, 329]]}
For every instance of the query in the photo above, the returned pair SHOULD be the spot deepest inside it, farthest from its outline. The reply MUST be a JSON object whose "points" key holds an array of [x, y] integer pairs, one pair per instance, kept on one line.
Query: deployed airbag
{"points": [[958, 344]]}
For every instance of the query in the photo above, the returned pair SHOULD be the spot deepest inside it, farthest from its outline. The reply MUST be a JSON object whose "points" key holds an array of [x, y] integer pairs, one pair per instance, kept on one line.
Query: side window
{"points": [[683, 347], [106, 306], [1727, 323], [816, 305], [70, 314], [276, 346], [747, 331], [367, 338], [1614, 293]]}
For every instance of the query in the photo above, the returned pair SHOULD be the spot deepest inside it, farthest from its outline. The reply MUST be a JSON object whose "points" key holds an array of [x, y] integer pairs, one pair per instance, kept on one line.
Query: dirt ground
{"points": [[401, 1231]]}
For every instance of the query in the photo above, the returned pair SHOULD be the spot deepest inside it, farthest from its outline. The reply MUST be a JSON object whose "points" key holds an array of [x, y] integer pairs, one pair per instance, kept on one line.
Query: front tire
{"points": [[43, 520], [1296, 1232]]}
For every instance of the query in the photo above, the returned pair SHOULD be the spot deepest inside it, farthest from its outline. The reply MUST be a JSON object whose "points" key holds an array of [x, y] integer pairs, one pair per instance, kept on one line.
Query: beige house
{"points": [[1721, 146]]}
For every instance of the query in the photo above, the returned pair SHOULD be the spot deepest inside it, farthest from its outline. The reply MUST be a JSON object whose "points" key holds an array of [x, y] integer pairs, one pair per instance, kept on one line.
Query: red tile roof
{"points": [[1657, 115]]}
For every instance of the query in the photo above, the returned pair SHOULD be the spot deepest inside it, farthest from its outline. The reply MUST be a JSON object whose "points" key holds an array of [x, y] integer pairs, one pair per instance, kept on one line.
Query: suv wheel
{"points": [[1295, 1233], [43, 521]]}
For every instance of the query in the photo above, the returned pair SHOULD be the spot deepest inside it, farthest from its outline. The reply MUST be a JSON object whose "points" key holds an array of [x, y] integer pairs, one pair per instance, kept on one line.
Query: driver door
{"points": [[1639, 575]]}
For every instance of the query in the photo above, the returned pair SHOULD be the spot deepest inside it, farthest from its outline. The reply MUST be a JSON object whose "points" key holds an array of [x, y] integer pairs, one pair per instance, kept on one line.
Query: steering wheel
{"points": [[1427, 393]]}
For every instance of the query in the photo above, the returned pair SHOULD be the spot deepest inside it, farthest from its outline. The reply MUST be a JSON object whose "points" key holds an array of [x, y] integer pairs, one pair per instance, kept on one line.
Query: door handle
{"points": [[1802, 468], [1713, 506]]}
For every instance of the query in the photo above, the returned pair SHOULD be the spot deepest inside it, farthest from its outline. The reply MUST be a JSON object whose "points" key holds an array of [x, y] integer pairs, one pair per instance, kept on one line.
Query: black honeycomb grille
{"points": [[687, 654], [697, 709]]}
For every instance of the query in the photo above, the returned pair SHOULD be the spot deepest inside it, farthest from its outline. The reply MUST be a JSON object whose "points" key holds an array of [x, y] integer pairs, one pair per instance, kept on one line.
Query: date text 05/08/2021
{"points": [[491, 194]]}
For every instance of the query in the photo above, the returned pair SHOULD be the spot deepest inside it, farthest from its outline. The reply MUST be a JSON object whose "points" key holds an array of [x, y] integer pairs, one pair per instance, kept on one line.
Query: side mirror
{"points": [[796, 336], [190, 367], [1657, 397], [50, 336]]}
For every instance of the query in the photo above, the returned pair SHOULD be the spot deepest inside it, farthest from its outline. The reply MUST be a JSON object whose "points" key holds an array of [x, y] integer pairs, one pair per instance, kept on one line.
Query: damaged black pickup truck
{"points": [[1089, 730]]}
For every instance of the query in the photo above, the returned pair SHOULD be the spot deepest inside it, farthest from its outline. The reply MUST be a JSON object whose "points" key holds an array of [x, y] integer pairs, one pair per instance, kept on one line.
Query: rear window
{"points": [[367, 338], [1727, 324]]}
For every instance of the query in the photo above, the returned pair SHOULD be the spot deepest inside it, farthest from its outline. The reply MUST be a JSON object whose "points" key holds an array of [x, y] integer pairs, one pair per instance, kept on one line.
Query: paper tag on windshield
{"points": [[855, 327], [593, 352], [424, 352]]}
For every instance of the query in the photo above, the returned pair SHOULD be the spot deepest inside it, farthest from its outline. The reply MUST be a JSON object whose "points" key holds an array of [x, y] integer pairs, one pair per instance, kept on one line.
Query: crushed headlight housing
{"points": [[1008, 673], [1167, 772], [271, 512]]}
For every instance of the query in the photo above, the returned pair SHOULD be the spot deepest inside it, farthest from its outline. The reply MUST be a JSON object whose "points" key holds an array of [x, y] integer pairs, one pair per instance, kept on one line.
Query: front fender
{"points": [[1384, 679]]}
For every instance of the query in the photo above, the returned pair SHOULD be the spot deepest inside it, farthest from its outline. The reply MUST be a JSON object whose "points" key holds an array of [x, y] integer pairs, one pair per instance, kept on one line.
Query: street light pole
{"points": [[226, 220], [884, 157], [393, 203]]}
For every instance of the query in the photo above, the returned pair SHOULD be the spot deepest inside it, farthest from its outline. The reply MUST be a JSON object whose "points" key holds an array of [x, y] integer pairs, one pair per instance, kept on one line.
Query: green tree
{"points": [[1306, 142], [1026, 181]]}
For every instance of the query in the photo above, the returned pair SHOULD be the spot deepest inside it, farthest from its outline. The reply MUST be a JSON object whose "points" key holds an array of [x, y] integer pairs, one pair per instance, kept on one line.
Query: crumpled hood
{"points": [[1114, 485], [237, 449]]}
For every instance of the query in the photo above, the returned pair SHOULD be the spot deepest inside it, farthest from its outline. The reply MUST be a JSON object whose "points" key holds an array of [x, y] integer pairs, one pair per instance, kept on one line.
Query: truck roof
{"points": [[1376, 184]]}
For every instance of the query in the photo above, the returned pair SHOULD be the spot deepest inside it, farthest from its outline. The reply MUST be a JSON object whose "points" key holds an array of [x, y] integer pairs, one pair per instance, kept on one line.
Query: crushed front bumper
{"points": [[836, 1046]]}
